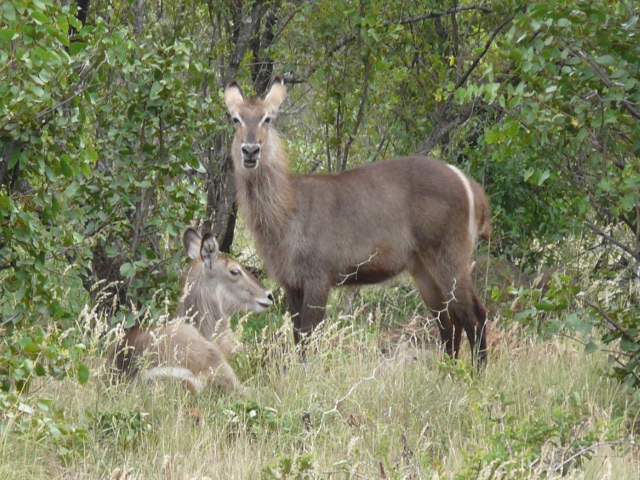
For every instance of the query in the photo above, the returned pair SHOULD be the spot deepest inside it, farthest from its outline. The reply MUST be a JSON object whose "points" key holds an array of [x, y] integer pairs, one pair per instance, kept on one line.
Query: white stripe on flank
{"points": [[473, 228], [179, 373]]}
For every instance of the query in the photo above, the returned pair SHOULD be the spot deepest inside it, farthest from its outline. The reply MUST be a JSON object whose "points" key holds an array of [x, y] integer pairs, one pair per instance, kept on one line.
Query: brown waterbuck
{"points": [[215, 287], [360, 226]]}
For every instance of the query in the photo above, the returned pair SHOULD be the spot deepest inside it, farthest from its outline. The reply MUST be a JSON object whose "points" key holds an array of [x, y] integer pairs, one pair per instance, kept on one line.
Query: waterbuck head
{"points": [[217, 286], [252, 120]]}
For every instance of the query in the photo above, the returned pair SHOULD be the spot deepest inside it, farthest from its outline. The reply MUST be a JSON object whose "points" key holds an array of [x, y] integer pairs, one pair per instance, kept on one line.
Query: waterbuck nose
{"points": [[270, 296], [250, 150]]}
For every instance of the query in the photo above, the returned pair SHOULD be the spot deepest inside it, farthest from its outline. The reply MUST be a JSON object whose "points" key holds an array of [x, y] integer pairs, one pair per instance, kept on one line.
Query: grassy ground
{"points": [[540, 410]]}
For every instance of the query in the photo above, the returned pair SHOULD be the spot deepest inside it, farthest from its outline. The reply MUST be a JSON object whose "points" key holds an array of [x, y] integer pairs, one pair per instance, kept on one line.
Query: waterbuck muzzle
{"points": [[250, 155]]}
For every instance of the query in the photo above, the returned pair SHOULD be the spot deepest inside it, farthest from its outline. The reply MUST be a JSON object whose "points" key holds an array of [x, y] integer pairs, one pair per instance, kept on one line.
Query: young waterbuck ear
{"points": [[192, 242], [209, 250], [233, 97], [275, 96]]}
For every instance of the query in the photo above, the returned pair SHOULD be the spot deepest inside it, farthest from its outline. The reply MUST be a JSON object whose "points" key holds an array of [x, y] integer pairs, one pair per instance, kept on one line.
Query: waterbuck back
{"points": [[360, 226], [215, 287]]}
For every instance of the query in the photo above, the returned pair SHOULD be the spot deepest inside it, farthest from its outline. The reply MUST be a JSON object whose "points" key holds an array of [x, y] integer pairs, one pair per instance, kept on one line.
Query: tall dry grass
{"points": [[349, 409]]}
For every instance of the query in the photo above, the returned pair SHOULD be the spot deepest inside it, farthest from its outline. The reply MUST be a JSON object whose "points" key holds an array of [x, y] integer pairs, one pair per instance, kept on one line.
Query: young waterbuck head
{"points": [[217, 286], [252, 121]]}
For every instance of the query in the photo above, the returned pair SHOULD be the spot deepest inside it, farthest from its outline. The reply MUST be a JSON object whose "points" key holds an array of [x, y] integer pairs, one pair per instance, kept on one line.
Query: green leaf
{"points": [[496, 294], [590, 348], [628, 202], [39, 17], [127, 270], [545, 175], [156, 88], [629, 346], [83, 374], [30, 347], [5, 205], [546, 306], [65, 168], [605, 60], [39, 92], [92, 154], [14, 157], [7, 34], [77, 47], [491, 136]]}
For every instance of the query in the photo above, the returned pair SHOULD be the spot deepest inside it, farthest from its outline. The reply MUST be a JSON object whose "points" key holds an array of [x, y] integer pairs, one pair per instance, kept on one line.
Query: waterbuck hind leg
{"points": [[467, 312], [457, 339], [459, 308], [435, 302], [481, 315]]}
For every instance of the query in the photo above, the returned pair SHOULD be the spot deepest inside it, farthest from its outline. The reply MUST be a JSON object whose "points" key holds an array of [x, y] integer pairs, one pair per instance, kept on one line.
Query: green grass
{"points": [[539, 410]]}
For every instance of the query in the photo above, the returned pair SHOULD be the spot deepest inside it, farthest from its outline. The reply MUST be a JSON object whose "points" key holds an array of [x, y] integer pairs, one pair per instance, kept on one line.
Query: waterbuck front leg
{"points": [[310, 308], [294, 303]]}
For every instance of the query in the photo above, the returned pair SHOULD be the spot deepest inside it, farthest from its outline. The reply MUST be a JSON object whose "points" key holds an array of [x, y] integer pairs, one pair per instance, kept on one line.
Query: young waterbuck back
{"points": [[215, 287], [361, 226]]}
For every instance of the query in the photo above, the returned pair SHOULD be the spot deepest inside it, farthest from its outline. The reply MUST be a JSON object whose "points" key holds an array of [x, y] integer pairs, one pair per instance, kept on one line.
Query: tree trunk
{"points": [[221, 212]]}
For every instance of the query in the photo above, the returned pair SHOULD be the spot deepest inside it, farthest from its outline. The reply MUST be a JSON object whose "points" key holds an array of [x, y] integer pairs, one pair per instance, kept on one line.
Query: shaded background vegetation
{"points": [[113, 138]]}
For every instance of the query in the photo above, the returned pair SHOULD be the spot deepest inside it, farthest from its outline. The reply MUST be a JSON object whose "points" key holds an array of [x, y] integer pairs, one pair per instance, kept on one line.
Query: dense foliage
{"points": [[113, 138]]}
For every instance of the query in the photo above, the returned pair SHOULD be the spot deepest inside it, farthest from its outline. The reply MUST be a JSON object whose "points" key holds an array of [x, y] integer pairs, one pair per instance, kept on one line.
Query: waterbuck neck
{"points": [[265, 195], [202, 297]]}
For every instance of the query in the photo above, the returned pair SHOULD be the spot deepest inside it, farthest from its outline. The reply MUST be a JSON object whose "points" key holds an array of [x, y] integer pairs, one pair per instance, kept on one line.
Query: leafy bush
{"points": [[46, 354]]}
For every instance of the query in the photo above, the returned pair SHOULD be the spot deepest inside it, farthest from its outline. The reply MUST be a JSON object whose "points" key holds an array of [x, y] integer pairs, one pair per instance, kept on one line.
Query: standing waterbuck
{"points": [[360, 226], [215, 287]]}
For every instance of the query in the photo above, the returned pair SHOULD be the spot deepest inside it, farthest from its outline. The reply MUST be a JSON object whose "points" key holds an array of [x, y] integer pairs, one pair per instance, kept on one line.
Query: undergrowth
{"points": [[362, 404]]}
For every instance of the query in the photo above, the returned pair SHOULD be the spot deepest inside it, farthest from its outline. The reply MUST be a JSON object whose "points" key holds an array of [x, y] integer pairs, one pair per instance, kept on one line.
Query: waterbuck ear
{"points": [[209, 250], [233, 97], [275, 96], [192, 242]]}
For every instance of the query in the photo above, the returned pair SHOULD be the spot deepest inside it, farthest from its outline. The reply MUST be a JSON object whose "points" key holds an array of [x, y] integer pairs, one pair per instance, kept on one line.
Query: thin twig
{"points": [[584, 450]]}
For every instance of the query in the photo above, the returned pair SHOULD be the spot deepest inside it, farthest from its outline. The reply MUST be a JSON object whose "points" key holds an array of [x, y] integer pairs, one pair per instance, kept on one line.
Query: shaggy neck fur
{"points": [[265, 195]]}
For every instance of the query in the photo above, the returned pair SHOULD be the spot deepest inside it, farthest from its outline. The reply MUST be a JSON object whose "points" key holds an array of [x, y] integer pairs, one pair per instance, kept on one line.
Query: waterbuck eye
{"points": [[267, 120], [234, 272], [236, 120]]}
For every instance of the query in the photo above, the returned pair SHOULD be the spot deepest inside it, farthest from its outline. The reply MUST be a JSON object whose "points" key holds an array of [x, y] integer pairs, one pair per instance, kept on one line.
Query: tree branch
{"points": [[446, 124], [607, 81], [360, 115], [346, 39], [241, 43], [612, 322], [482, 54], [622, 246], [410, 20]]}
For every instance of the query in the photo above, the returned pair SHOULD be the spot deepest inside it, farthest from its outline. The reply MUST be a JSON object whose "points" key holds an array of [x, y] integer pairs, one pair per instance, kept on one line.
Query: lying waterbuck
{"points": [[360, 226], [215, 287]]}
